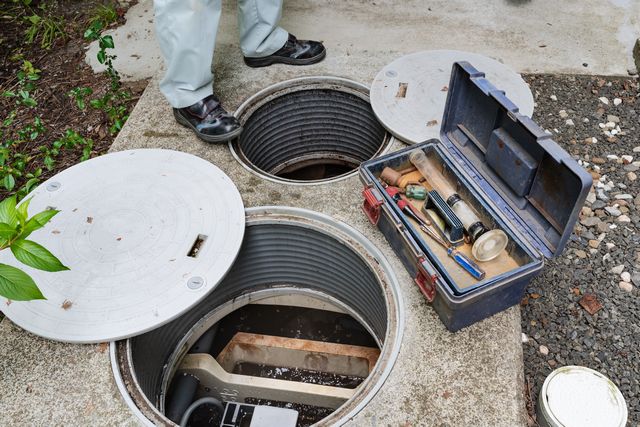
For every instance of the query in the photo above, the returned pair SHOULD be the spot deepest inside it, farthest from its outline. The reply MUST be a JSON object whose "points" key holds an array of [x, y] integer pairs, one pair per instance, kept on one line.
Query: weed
{"points": [[40, 22], [79, 94], [113, 102], [105, 14]]}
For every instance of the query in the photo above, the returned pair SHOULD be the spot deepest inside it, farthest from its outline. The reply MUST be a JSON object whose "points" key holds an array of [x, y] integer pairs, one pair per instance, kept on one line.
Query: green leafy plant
{"points": [[105, 14], [17, 174], [79, 94], [46, 28], [15, 227], [41, 24], [114, 102], [27, 76], [71, 140]]}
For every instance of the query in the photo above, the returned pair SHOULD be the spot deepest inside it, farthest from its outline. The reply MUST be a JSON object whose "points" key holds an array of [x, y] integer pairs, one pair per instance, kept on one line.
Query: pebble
{"points": [[563, 114], [626, 286], [581, 254], [569, 122], [610, 246], [544, 350], [624, 197], [591, 221], [553, 98], [591, 197], [636, 149], [594, 244], [617, 101], [525, 338], [613, 119], [623, 218], [625, 276], [631, 176], [602, 99], [613, 211], [612, 157], [598, 204], [626, 159], [618, 269]]}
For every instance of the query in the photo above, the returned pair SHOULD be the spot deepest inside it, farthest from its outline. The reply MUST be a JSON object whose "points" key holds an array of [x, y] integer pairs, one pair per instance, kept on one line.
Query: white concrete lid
{"points": [[417, 116], [575, 396], [126, 224]]}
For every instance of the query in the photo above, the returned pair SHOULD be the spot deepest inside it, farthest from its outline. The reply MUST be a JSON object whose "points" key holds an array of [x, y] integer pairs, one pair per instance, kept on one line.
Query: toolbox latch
{"points": [[371, 204], [426, 280]]}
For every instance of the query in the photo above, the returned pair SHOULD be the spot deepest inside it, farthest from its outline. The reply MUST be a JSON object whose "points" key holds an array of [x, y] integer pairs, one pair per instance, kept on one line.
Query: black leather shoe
{"points": [[209, 120], [294, 52]]}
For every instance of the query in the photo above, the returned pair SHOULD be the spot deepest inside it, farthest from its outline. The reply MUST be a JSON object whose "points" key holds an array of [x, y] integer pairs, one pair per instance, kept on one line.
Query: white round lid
{"points": [[575, 396], [408, 95], [127, 224]]}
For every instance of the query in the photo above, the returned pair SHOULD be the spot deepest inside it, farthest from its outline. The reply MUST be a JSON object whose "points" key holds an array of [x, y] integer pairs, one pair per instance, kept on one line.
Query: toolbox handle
{"points": [[426, 279], [371, 205]]}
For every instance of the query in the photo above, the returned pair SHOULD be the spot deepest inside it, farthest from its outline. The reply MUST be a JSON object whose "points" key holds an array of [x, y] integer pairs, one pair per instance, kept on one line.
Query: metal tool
{"points": [[461, 259], [487, 244]]}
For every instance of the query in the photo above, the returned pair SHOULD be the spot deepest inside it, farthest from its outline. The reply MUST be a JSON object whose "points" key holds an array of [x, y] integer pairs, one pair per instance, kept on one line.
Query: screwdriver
{"points": [[461, 259]]}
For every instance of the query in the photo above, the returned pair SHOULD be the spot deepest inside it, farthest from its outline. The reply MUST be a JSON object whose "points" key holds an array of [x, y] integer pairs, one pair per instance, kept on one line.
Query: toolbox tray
{"points": [[510, 171]]}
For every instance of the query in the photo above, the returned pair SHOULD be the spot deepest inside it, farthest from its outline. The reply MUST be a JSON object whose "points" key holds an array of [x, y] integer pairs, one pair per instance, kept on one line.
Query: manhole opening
{"points": [[307, 320], [306, 131]]}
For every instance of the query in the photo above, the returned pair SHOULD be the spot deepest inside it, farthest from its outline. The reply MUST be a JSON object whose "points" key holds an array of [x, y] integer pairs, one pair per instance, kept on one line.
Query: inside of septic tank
{"points": [[309, 130], [243, 344], [307, 320]]}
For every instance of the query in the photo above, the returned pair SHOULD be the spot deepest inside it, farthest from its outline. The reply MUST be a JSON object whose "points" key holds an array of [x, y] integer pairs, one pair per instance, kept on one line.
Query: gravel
{"points": [[604, 257]]}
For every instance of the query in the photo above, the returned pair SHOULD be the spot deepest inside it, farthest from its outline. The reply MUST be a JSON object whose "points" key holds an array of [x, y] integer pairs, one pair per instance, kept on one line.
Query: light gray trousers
{"points": [[186, 31]]}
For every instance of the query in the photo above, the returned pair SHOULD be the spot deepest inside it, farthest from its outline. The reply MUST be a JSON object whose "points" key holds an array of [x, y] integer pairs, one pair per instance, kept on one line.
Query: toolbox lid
{"points": [[146, 234], [408, 95], [534, 182]]}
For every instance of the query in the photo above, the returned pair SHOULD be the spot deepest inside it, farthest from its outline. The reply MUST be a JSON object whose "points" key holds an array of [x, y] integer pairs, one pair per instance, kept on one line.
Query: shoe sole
{"points": [[214, 139], [265, 62]]}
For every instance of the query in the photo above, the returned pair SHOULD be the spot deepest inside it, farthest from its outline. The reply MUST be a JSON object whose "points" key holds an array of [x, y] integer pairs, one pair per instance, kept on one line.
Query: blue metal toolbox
{"points": [[512, 175]]}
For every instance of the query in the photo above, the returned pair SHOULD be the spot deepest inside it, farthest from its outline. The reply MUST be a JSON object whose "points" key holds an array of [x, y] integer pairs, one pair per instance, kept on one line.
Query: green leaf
{"points": [[36, 256], [36, 222], [7, 231], [101, 56], [106, 42], [9, 182], [8, 213], [17, 285], [23, 211]]}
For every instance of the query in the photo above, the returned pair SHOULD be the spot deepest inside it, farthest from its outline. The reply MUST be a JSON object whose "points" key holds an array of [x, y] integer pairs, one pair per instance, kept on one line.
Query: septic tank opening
{"points": [[308, 130], [307, 320]]}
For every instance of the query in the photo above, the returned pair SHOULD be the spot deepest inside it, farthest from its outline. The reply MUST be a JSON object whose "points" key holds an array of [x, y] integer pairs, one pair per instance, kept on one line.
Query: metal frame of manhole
{"points": [[353, 241], [251, 105]]}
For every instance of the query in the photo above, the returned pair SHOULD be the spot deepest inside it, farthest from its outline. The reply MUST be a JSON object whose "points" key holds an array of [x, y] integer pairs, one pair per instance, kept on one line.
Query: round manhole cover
{"points": [[146, 234], [409, 94]]}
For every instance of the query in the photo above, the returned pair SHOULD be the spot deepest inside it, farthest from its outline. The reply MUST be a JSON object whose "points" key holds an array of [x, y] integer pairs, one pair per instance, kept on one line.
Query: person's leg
{"points": [[258, 21], [186, 31], [264, 43]]}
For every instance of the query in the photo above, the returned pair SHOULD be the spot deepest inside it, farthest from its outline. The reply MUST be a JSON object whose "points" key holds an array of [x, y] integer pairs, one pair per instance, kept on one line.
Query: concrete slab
{"points": [[473, 377], [531, 36]]}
